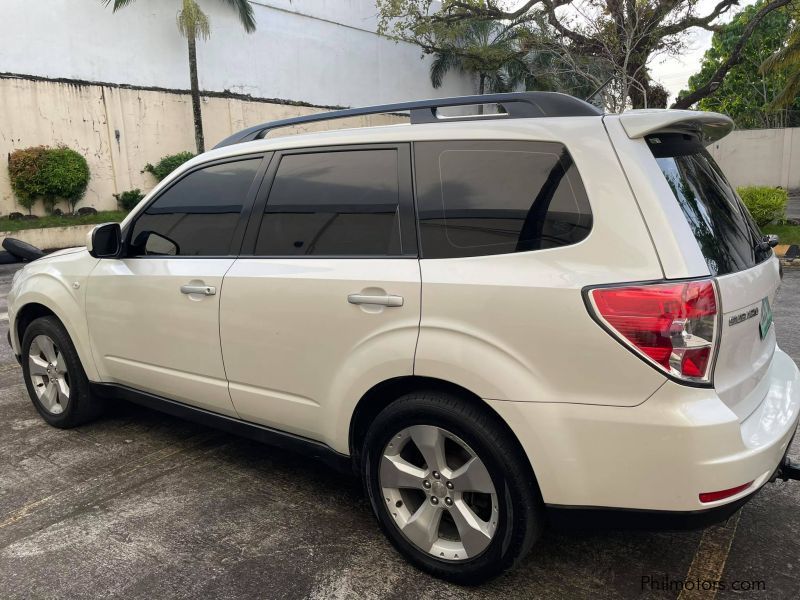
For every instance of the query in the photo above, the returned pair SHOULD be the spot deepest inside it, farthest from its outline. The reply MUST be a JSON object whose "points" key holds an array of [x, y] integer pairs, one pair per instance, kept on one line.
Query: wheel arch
{"points": [[37, 308], [386, 392]]}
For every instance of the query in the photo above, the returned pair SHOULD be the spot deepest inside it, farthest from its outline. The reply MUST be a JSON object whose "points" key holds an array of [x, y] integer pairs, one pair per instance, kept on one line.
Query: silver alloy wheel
{"points": [[439, 492], [49, 375]]}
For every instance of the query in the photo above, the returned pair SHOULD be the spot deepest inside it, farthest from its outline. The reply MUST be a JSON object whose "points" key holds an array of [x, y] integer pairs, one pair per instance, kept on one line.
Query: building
{"points": [[114, 86]]}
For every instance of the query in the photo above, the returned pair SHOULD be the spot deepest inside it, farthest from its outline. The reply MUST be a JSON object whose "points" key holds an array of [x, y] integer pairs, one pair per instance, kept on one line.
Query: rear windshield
{"points": [[727, 235]]}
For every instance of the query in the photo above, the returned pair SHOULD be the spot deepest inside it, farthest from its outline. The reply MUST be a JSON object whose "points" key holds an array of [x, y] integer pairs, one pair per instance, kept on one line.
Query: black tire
{"points": [[6, 258], [22, 250], [82, 405], [521, 519]]}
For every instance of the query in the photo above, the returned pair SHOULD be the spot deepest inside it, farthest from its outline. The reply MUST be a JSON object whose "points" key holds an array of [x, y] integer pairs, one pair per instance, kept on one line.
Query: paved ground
{"points": [[793, 206], [140, 505]]}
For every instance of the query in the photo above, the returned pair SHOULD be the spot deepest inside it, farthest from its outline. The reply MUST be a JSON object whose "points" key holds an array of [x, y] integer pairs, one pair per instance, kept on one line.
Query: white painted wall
{"points": [[324, 52], [760, 157]]}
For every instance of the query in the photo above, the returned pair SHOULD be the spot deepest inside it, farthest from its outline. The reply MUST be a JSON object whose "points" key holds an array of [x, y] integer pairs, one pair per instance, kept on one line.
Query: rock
{"points": [[58, 212], [16, 216], [87, 210]]}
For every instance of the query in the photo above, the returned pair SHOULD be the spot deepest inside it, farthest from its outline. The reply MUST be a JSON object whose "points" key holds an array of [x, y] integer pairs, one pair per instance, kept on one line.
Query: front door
{"points": [[154, 314], [329, 300]]}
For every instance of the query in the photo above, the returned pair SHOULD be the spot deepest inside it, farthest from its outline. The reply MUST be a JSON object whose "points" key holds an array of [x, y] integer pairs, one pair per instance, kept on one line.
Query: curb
{"points": [[788, 254]]}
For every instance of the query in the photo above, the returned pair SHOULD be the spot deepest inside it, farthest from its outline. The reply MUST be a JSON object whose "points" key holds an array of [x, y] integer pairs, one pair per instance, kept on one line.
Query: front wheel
{"points": [[450, 488], [54, 376]]}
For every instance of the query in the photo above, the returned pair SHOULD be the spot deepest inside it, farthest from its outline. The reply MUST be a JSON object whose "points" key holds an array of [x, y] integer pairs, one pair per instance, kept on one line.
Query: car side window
{"points": [[479, 198], [333, 203], [198, 215]]}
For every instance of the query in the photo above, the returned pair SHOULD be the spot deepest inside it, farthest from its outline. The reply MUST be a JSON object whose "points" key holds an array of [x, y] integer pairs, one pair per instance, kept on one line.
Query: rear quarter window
{"points": [[482, 198]]}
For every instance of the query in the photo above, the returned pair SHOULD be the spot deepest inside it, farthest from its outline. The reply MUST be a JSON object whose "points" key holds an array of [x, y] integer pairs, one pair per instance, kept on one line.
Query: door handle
{"points": [[205, 290], [385, 300]]}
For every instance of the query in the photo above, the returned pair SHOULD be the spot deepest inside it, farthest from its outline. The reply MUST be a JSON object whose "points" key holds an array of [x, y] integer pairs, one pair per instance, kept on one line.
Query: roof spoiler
{"points": [[710, 125]]}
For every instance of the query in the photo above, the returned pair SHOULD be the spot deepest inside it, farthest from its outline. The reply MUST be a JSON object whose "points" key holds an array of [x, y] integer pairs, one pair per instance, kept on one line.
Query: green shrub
{"points": [[128, 200], [167, 164], [766, 204], [23, 170], [50, 174]]}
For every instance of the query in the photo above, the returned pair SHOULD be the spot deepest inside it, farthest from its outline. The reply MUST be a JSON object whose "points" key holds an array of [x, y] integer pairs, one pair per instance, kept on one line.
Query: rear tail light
{"points": [[673, 326]]}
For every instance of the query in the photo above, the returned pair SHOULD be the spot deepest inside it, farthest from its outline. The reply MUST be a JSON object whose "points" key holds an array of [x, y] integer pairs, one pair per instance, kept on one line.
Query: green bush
{"points": [[128, 200], [50, 174], [167, 164], [766, 204]]}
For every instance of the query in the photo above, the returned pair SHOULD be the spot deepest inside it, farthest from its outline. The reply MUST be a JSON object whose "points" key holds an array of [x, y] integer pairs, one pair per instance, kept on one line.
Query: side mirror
{"points": [[105, 241], [772, 239]]}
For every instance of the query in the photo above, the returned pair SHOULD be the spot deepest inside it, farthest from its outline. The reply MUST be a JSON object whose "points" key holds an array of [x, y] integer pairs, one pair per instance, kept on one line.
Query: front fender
{"points": [[59, 285]]}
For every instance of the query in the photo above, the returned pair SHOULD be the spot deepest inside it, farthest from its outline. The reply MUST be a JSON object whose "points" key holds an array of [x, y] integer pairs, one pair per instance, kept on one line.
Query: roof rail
{"points": [[518, 105]]}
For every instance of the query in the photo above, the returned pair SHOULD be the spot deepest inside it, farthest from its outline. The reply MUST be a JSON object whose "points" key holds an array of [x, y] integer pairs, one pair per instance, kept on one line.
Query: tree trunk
{"points": [[637, 85], [196, 110], [481, 90]]}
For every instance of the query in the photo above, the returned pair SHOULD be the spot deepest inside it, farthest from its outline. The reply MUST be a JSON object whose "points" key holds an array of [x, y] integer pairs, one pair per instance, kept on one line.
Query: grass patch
{"points": [[110, 216], [788, 234]]}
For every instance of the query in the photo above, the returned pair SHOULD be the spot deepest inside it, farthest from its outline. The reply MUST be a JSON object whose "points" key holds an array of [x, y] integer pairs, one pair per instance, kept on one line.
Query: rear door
{"points": [[328, 299], [747, 274]]}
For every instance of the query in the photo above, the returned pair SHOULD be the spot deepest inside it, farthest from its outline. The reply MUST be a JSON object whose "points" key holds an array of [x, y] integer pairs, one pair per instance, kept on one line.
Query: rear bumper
{"points": [[660, 455]]}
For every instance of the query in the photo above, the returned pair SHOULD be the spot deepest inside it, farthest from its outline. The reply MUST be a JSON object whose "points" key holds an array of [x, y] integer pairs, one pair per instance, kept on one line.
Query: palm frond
{"points": [[192, 21], [789, 94], [117, 3], [787, 56], [444, 62], [245, 10]]}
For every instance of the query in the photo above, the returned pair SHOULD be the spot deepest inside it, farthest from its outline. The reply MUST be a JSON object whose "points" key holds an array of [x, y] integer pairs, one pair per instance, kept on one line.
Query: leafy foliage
{"points": [[48, 174], [609, 43], [766, 204], [486, 48], [746, 95], [128, 200], [786, 62], [167, 164]]}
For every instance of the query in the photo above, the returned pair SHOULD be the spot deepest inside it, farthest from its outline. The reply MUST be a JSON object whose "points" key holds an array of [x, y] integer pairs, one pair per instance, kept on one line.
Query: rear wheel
{"points": [[56, 382], [449, 488]]}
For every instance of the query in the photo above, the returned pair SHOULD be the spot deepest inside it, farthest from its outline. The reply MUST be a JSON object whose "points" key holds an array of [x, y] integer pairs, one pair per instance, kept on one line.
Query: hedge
{"points": [[766, 204]]}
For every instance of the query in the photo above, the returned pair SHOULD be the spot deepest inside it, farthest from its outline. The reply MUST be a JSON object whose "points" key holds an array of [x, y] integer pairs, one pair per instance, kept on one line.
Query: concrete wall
{"points": [[51, 238], [760, 157], [119, 130], [323, 52]]}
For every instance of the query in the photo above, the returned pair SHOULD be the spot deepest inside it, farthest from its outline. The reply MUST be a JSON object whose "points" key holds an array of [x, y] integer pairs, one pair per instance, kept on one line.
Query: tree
{"points": [[746, 94], [193, 23], [621, 35], [786, 62], [486, 48]]}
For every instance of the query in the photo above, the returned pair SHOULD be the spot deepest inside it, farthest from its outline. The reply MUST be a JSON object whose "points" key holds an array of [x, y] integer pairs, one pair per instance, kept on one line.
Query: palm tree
{"points": [[786, 61], [487, 48], [193, 23]]}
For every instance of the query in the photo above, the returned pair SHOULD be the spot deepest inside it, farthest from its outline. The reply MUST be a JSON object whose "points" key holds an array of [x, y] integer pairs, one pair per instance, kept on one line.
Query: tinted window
{"points": [[721, 224], [333, 203], [198, 215], [479, 198]]}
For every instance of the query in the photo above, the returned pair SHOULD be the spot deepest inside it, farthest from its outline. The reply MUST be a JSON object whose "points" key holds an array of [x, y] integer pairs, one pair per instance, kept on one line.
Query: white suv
{"points": [[490, 318]]}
